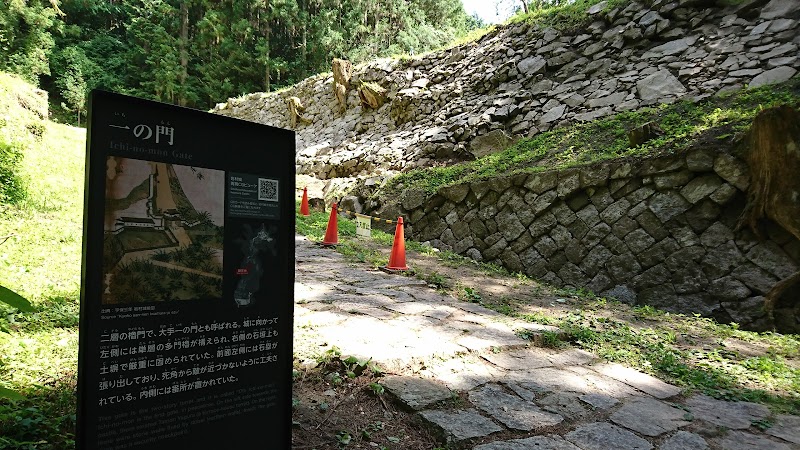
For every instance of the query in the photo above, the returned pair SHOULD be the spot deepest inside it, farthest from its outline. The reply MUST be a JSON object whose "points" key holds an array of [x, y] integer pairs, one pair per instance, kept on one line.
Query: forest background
{"points": [[198, 52]]}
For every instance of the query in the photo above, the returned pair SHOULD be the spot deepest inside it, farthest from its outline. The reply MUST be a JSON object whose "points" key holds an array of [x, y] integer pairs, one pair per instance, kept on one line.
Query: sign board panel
{"points": [[187, 284], [363, 225]]}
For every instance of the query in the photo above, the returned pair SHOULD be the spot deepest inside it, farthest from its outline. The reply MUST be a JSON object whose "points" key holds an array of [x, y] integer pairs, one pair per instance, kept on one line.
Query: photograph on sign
{"points": [[167, 218], [363, 225], [188, 272]]}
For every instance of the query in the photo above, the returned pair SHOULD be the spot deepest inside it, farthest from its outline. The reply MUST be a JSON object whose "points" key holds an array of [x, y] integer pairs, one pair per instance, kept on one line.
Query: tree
{"points": [[70, 80]]}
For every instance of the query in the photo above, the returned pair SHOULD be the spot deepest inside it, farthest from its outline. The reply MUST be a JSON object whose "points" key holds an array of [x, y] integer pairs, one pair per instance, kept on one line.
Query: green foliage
{"points": [[15, 300], [197, 53], [684, 124], [25, 37]]}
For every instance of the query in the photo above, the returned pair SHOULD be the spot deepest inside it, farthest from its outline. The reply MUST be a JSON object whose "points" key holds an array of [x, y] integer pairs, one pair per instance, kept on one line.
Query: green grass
{"points": [[714, 121], [41, 260]]}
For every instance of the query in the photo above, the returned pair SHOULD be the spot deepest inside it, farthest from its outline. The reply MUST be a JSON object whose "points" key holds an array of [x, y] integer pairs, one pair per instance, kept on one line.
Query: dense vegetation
{"points": [[198, 52]]}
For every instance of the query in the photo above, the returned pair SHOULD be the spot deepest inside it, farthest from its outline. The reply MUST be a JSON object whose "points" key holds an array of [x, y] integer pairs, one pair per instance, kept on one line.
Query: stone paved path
{"points": [[513, 396]]}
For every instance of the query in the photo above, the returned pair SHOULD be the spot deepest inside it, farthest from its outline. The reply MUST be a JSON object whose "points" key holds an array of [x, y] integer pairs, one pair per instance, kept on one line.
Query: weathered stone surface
{"points": [[778, 8], [666, 205], [511, 410], [739, 440], [622, 293], [599, 401], [461, 425], [552, 442], [700, 188], [732, 170], [659, 85], [491, 142], [604, 436], [683, 440], [786, 427], [732, 415], [564, 404], [639, 380], [524, 360], [773, 76], [649, 417], [532, 65], [415, 392]]}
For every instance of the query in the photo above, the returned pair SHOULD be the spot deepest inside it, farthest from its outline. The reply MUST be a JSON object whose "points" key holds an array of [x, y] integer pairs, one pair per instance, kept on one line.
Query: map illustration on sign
{"points": [[163, 232]]}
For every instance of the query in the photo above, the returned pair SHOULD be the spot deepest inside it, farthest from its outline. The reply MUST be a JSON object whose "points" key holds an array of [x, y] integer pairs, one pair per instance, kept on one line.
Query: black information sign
{"points": [[188, 280]]}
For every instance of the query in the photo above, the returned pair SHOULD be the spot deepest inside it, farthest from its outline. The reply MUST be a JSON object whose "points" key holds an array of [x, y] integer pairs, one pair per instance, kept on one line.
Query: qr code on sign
{"points": [[267, 190]]}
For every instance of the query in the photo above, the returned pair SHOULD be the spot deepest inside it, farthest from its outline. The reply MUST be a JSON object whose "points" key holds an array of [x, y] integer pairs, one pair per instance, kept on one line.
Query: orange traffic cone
{"points": [[332, 232], [304, 203], [397, 259]]}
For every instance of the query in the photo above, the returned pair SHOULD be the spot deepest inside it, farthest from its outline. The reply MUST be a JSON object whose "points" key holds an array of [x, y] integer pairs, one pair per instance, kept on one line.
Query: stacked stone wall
{"points": [[659, 232], [522, 79]]}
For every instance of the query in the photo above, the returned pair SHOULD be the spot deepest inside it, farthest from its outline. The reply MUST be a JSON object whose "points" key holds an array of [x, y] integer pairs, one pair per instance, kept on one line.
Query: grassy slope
{"points": [[713, 122], [41, 260]]}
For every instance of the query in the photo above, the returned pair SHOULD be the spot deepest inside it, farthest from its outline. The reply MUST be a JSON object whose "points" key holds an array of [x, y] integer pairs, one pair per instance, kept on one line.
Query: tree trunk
{"points": [[267, 31], [184, 50], [773, 155]]}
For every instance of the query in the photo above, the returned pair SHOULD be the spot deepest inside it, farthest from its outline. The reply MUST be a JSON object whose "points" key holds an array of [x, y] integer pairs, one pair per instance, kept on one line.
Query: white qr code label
{"points": [[267, 190]]}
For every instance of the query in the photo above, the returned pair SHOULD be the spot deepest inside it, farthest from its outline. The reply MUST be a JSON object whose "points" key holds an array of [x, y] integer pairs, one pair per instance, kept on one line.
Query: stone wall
{"points": [[521, 79], [658, 232]]}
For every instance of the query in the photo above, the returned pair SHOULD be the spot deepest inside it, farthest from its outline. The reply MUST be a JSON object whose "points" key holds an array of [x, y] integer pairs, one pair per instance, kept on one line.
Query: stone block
{"points": [[732, 170], [701, 187], [596, 175], [724, 194], [615, 244], [416, 393], [601, 198], [666, 205], [577, 202], [671, 180], [615, 211], [511, 261], [542, 225], [493, 251], [589, 215], [623, 267], [702, 215], [561, 236], [652, 225], [544, 245], [685, 236], [568, 182], [721, 260], [603, 435], [522, 243], [771, 257], [651, 277], [689, 279], [460, 425], [563, 214], [700, 160], [658, 252], [649, 417], [623, 226], [639, 241], [596, 234], [578, 229], [595, 260], [455, 193], [622, 293], [572, 275], [728, 289]]}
